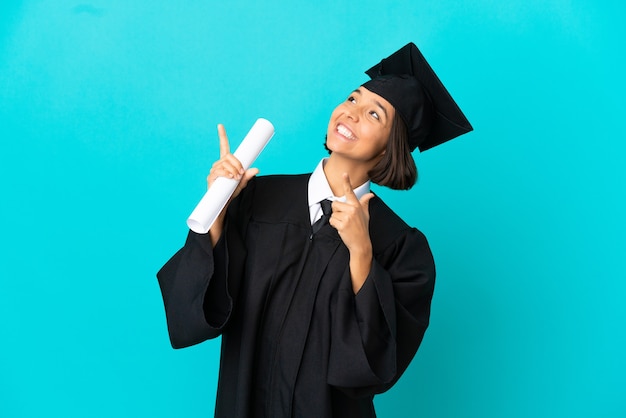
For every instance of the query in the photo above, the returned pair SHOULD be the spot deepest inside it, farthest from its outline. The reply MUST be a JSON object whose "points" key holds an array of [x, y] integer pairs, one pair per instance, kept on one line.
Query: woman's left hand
{"points": [[351, 220]]}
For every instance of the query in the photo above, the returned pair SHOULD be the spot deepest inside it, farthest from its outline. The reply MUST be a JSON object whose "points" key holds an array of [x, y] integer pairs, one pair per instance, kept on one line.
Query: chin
{"points": [[329, 143], [333, 147], [326, 145]]}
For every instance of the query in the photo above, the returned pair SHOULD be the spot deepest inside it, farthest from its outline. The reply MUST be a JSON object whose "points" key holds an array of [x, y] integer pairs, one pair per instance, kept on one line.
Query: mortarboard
{"points": [[406, 81]]}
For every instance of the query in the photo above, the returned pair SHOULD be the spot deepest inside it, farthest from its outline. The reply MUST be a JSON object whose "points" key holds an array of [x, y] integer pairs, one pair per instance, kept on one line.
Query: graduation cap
{"points": [[406, 81]]}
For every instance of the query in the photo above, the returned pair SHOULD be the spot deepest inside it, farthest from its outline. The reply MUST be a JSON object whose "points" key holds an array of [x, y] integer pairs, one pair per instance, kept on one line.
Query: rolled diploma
{"points": [[214, 200]]}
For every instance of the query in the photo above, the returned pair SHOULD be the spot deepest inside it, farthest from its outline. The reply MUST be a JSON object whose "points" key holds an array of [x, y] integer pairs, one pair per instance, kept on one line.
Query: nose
{"points": [[353, 112]]}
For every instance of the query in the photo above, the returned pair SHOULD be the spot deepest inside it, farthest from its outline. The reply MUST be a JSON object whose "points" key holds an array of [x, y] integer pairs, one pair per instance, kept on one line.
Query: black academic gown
{"points": [[296, 341]]}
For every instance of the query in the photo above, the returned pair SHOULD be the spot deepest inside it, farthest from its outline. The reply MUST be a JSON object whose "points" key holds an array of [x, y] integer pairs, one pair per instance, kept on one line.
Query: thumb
{"points": [[251, 172], [365, 200]]}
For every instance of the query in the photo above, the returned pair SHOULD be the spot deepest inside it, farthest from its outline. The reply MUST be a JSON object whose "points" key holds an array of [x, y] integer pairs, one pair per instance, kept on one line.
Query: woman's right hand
{"points": [[230, 167]]}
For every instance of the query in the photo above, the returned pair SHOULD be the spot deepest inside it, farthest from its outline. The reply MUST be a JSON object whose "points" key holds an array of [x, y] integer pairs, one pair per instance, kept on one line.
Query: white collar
{"points": [[319, 189]]}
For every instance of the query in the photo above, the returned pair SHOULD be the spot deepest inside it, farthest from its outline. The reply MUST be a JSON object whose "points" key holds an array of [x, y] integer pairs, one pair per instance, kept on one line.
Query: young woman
{"points": [[321, 293]]}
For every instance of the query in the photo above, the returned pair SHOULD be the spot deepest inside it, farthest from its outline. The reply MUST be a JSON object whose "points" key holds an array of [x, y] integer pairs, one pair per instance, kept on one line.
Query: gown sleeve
{"points": [[193, 272], [199, 283], [376, 332]]}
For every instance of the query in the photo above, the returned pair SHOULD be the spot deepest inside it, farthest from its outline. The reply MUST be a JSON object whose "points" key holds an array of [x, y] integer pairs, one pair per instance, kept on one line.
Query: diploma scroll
{"points": [[214, 200]]}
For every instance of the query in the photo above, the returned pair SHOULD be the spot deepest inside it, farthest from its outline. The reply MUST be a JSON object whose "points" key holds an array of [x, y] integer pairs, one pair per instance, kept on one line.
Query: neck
{"points": [[336, 166]]}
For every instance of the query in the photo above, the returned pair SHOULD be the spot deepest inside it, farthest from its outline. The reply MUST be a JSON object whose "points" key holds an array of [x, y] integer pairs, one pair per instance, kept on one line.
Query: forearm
{"points": [[217, 228], [360, 266]]}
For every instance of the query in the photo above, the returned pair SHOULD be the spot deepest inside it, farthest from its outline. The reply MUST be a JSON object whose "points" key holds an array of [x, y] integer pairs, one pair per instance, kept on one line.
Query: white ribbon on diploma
{"points": [[214, 200]]}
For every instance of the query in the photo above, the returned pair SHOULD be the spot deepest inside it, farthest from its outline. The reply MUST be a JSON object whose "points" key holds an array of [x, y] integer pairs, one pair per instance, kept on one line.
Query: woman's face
{"points": [[359, 127]]}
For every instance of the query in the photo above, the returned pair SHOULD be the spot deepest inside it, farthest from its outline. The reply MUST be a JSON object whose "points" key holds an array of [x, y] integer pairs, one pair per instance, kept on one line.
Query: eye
{"points": [[375, 115], [351, 99]]}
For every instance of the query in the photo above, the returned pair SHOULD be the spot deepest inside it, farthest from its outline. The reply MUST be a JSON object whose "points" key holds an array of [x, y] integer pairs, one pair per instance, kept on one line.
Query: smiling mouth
{"points": [[345, 132]]}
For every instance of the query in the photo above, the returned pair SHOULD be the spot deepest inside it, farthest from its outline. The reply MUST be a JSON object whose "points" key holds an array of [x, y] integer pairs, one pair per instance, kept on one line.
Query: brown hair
{"points": [[396, 169]]}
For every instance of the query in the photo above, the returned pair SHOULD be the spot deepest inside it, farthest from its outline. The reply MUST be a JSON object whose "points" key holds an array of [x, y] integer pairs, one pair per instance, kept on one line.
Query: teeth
{"points": [[345, 132]]}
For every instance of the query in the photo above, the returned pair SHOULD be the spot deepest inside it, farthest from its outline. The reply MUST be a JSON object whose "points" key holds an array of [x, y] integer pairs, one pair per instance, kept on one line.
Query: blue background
{"points": [[107, 122]]}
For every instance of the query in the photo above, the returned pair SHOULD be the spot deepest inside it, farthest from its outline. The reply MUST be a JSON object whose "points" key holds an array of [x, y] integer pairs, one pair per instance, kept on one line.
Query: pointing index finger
{"points": [[224, 146], [347, 189]]}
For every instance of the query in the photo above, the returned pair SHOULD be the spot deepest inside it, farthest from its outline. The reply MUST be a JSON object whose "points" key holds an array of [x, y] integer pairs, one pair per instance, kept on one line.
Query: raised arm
{"points": [[230, 167]]}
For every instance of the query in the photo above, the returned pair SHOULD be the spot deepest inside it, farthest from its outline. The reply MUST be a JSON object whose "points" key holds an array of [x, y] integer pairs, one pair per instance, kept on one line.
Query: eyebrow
{"points": [[379, 104]]}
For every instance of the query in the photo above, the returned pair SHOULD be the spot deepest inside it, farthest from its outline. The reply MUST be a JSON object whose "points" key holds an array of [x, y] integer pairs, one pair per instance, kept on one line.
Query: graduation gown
{"points": [[296, 340]]}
